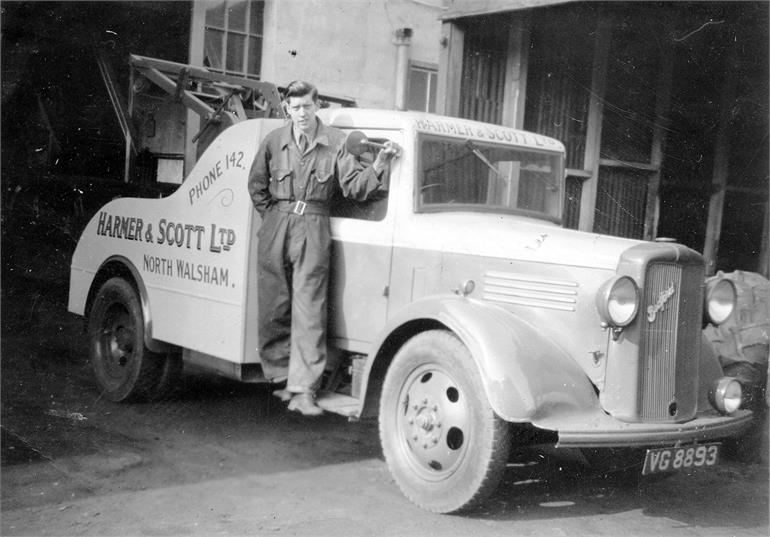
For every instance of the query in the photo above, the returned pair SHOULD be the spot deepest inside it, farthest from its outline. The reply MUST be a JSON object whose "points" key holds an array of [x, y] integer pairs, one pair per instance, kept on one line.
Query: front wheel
{"points": [[125, 369], [444, 445]]}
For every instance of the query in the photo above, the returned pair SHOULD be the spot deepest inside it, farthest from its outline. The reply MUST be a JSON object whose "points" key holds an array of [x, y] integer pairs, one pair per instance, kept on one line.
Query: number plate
{"points": [[679, 458]]}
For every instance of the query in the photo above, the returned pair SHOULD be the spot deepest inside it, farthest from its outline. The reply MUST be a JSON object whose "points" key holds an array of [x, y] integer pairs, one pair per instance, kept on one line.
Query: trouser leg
{"points": [[274, 296], [309, 251]]}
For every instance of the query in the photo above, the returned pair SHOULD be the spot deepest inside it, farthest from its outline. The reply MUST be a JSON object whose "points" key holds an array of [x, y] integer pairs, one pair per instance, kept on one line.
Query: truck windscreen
{"points": [[456, 174]]}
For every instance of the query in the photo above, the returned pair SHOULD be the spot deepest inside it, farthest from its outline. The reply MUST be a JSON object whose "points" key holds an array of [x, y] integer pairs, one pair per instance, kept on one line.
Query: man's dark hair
{"points": [[299, 88]]}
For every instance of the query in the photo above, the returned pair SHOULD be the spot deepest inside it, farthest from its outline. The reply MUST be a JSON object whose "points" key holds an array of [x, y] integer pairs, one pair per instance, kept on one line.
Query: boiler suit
{"points": [[291, 191]]}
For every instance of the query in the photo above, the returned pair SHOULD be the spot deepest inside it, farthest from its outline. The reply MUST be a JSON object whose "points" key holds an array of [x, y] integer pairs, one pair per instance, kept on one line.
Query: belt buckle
{"points": [[299, 208]]}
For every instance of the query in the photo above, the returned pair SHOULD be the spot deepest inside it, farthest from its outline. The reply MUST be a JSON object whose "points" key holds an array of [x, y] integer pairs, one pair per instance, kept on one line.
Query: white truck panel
{"points": [[190, 250]]}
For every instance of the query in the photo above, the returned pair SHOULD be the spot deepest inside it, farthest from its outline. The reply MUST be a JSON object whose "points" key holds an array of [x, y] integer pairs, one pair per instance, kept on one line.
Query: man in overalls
{"points": [[291, 183]]}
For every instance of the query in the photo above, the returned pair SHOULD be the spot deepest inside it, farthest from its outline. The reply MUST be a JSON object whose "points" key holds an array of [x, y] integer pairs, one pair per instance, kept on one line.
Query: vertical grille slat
{"points": [[659, 369], [669, 341]]}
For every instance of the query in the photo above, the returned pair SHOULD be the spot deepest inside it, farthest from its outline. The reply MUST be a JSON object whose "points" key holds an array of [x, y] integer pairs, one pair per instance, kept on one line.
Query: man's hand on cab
{"points": [[386, 154]]}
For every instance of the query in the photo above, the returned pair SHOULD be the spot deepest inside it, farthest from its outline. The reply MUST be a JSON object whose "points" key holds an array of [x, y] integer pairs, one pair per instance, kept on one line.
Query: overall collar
{"points": [[321, 134]]}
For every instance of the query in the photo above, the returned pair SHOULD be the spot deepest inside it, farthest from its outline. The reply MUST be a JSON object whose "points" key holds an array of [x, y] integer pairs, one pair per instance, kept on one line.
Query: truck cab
{"points": [[460, 310]]}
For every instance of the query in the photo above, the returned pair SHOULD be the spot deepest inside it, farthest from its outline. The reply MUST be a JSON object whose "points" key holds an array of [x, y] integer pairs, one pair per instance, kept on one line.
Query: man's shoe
{"points": [[303, 403], [284, 395]]}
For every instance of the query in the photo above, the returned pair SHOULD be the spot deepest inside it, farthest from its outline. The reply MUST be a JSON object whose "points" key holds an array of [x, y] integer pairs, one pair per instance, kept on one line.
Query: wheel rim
{"points": [[116, 342], [433, 422]]}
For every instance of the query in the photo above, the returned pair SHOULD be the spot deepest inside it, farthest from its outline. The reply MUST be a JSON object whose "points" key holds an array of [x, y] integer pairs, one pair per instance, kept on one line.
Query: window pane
{"points": [[629, 109], [235, 44], [741, 232], [573, 193], [257, 11], [418, 90], [255, 55], [483, 71], [559, 81], [433, 77], [213, 48], [621, 201], [237, 16], [683, 215], [456, 176], [215, 14]]}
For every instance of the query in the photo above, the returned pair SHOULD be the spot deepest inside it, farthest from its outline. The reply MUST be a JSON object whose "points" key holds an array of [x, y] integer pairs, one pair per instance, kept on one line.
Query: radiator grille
{"points": [[669, 341]]}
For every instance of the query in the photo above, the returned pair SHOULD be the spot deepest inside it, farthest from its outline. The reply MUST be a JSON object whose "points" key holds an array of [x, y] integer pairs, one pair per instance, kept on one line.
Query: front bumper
{"points": [[601, 430]]}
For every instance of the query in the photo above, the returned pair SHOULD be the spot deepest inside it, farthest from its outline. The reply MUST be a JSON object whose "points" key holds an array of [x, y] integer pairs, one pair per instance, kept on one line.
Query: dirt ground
{"points": [[222, 458]]}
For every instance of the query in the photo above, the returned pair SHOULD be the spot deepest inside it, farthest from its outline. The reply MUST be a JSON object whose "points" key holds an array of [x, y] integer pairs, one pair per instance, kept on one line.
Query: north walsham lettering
{"points": [[210, 274], [202, 273]]}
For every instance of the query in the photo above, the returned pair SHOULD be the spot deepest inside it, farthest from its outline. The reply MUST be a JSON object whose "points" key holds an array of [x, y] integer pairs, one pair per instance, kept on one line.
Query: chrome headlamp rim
{"points": [[615, 312], [726, 395], [720, 301]]}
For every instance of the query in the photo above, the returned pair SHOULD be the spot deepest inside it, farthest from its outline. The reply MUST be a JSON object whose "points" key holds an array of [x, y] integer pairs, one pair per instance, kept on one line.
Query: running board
{"points": [[344, 405]]}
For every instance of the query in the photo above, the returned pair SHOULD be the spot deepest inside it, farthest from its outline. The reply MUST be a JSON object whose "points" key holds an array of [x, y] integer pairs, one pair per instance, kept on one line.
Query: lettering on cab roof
{"points": [[491, 133]]}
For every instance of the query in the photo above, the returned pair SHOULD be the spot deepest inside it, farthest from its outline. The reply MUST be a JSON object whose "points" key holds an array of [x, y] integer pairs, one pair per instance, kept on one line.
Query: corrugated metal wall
{"points": [[620, 202], [483, 82]]}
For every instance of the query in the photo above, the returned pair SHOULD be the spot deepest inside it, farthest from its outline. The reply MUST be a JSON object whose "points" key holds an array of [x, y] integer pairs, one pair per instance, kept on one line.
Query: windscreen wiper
{"points": [[476, 151]]}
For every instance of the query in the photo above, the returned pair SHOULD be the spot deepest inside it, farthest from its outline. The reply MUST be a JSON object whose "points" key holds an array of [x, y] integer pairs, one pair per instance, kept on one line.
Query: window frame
{"points": [[420, 207], [431, 69], [227, 31], [367, 210]]}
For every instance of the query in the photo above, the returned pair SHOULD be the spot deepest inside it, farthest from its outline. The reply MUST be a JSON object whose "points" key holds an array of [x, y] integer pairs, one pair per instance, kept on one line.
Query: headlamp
{"points": [[726, 394], [720, 300], [618, 301]]}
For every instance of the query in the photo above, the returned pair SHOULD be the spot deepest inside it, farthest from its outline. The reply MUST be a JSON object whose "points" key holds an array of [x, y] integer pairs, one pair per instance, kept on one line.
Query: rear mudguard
{"points": [[83, 291], [526, 377]]}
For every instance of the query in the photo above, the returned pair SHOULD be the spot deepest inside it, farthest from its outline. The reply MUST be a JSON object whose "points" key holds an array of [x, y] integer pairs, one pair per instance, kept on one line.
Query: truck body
{"points": [[459, 307]]}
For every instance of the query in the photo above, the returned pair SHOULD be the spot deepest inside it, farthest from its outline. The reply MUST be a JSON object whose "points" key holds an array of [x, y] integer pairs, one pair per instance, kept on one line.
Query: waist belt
{"points": [[301, 208]]}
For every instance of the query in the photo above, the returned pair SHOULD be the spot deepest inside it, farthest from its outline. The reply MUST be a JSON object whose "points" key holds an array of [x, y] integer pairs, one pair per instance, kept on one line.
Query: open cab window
{"points": [[374, 208], [468, 175]]}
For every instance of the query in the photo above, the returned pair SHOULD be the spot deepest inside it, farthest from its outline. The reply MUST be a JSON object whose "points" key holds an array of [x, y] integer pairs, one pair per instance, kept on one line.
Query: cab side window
{"points": [[375, 207]]}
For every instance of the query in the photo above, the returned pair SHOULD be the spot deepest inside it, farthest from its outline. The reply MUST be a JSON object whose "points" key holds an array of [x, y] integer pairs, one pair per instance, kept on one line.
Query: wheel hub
{"points": [[118, 343], [434, 423], [428, 420], [425, 424]]}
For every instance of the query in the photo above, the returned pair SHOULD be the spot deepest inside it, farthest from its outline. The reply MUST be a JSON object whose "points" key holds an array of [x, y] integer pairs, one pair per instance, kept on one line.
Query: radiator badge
{"points": [[660, 304]]}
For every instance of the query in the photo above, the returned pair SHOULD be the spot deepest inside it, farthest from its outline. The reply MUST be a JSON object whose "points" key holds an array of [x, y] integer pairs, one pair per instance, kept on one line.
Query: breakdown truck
{"points": [[462, 314]]}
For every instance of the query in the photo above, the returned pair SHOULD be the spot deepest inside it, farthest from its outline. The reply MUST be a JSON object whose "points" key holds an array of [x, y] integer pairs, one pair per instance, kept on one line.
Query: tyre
{"points": [[444, 445], [752, 445], [168, 380], [125, 369]]}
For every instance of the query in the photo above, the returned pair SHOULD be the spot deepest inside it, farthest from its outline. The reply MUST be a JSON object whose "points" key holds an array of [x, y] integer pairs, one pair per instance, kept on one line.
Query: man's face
{"points": [[302, 112]]}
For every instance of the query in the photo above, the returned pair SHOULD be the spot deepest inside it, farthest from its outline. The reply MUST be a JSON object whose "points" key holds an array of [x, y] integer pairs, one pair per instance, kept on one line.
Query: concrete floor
{"points": [[222, 458]]}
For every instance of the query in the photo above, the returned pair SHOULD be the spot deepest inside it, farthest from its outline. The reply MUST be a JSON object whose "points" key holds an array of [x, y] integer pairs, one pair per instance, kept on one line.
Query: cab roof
{"points": [[364, 118]]}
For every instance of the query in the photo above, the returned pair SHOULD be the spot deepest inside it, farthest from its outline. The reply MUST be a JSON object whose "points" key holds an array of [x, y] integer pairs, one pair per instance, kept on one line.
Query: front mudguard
{"points": [[526, 377]]}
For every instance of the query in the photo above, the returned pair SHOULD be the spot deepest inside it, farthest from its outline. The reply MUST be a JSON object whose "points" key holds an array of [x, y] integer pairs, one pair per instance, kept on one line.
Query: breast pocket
{"points": [[280, 184], [321, 184]]}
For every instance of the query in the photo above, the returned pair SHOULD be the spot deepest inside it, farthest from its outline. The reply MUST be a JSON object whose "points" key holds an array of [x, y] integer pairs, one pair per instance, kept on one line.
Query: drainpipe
{"points": [[403, 37]]}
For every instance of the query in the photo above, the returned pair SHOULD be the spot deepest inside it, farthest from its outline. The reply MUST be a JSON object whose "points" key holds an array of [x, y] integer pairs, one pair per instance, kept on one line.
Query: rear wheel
{"points": [[167, 383], [444, 445], [125, 369]]}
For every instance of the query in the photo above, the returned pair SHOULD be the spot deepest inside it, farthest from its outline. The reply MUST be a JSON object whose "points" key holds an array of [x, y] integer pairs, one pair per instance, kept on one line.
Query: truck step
{"points": [[338, 403]]}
